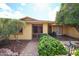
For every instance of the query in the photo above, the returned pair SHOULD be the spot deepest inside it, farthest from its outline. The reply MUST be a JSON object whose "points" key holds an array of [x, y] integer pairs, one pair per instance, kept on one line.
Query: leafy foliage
{"points": [[76, 52], [8, 27], [43, 36], [49, 46], [68, 14]]}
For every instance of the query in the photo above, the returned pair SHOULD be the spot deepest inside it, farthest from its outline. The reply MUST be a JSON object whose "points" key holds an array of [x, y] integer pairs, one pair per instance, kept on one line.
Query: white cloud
{"points": [[16, 14], [52, 13], [57, 8], [41, 6], [8, 12], [5, 7], [20, 9]]}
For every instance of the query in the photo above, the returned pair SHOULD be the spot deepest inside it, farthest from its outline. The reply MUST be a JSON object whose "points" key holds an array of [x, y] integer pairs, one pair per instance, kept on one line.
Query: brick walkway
{"points": [[30, 49]]}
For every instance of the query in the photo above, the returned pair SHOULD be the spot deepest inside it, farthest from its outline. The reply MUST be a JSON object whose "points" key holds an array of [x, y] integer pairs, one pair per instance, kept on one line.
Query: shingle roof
{"points": [[28, 19], [35, 20]]}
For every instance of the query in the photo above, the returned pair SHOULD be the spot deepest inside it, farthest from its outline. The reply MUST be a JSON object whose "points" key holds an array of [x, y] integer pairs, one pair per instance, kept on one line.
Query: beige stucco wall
{"points": [[26, 35], [65, 30], [70, 31], [27, 32], [73, 32], [45, 28]]}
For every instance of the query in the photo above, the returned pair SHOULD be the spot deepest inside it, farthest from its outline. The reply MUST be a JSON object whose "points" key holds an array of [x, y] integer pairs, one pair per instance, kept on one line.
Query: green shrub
{"points": [[49, 46], [43, 36], [76, 52]]}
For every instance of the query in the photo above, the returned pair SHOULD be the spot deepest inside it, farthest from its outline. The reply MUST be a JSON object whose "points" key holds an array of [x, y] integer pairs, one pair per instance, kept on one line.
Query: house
{"points": [[34, 27]]}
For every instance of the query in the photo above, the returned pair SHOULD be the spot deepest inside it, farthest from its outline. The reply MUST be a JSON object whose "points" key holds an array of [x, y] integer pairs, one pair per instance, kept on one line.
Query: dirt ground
{"points": [[29, 48], [23, 47], [16, 46]]}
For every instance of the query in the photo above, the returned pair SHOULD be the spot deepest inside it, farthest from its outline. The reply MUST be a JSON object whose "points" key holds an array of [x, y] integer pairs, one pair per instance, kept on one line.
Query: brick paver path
{"points": [[30, 49]]}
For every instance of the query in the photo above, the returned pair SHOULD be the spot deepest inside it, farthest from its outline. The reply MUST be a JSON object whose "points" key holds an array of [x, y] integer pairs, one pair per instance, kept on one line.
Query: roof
{"points": [[29, 19]]}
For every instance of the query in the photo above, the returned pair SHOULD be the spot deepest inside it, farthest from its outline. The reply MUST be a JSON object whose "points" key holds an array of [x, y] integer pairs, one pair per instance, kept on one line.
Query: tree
{"points": [[4, 28], [16, 26], [9, 27], [68, 15]]}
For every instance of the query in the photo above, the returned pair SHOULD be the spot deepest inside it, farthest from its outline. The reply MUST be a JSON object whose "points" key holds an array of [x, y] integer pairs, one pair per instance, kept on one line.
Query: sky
{"points": [[40, 11]]}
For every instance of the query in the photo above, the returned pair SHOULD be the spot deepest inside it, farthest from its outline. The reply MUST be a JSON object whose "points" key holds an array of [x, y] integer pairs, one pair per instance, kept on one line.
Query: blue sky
{"points": [[40, 11]]}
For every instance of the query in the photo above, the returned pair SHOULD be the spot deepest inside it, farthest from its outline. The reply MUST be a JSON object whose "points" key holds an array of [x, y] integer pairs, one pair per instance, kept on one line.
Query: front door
{"points": [[37, 29]]}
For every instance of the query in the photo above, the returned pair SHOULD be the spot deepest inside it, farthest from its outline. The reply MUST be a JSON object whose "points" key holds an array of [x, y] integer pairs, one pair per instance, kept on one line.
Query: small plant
{"points": [[49, 46], [76, 52]]}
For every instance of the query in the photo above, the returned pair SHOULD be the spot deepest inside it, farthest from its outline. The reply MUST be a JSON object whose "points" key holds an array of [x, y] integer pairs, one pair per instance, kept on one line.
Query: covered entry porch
{"points": [[58, 29], [46, 28], [38, 29]]}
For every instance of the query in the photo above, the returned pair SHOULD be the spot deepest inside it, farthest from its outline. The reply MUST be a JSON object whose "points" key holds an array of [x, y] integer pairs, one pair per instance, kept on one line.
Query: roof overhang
{"points": [[35, 21]]}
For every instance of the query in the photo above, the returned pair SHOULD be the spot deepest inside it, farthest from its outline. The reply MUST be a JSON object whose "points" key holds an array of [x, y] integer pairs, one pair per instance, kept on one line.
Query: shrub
{"points": [[76, 52], [43, 36], [49, 46]]}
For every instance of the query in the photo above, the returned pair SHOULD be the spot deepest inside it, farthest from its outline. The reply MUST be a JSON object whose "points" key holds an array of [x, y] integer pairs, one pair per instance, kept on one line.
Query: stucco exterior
{"points": [[59, 29], [45, 28], [67, 30], [26, 35], [71, 31], [27, 32]]}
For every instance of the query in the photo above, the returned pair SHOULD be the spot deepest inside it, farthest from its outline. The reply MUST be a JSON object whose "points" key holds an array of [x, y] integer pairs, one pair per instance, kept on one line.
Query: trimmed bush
{"points": [[76, 52], [43, 36], [49, 46]]}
